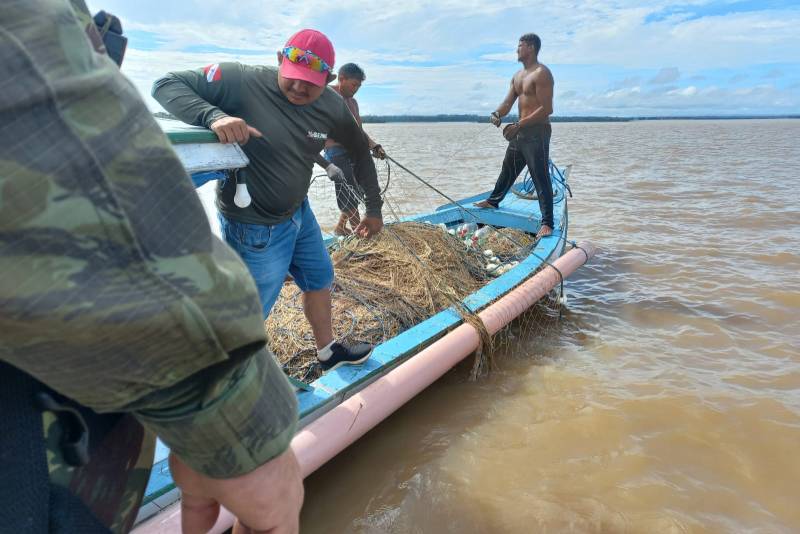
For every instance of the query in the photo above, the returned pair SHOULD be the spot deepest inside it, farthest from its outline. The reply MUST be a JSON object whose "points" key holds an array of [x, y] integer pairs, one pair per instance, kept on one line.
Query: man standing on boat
{"points": [[278, 233], [348, 192], [529, 138], [123, 317]]}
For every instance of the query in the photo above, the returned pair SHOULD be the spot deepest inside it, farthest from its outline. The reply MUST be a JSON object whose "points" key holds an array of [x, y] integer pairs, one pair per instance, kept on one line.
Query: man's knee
{"points": [[321, 277]]}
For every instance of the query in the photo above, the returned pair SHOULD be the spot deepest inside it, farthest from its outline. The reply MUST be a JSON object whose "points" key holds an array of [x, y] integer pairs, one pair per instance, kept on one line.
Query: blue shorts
{"points": [[270, 252]]}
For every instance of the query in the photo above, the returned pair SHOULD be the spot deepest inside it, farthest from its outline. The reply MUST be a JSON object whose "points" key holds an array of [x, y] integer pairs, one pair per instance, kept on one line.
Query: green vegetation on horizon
{"points": [[373, 119], [476, 118], [512, 118]]}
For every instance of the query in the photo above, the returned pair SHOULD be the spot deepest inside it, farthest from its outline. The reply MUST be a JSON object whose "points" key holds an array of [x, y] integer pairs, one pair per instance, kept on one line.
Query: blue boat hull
{"points": [[516, 211]]}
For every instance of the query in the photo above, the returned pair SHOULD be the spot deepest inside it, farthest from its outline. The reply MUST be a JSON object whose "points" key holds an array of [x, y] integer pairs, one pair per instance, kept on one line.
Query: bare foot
{"points": [[544, 231], [484, 204]]}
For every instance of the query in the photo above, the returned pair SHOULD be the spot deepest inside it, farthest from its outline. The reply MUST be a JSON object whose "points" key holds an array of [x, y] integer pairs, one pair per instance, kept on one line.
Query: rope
{"points": [[561, 284], [378, 312], [482, 354], [560, 179], [388, 177], [450, 199], [527, 189], [575, 245]]}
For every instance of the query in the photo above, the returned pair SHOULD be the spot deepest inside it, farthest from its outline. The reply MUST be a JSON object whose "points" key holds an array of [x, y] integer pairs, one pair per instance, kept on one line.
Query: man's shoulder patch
{"points": [[213, 73]]}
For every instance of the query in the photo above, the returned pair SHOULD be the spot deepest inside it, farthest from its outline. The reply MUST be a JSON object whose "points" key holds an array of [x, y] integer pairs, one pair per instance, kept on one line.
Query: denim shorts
{"points": [[270, 252]]}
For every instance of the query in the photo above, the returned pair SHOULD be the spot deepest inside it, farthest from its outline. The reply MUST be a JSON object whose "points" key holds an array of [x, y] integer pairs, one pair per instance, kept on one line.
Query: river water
{"points": [[667, 399]]}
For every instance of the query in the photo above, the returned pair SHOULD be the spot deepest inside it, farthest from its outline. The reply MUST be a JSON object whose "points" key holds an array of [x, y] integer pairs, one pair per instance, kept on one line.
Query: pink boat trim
{"points": [[334, 431]]}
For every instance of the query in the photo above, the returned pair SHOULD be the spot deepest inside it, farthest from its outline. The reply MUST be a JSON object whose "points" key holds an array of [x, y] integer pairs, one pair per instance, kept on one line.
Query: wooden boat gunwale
{"points": [[336, 386]]}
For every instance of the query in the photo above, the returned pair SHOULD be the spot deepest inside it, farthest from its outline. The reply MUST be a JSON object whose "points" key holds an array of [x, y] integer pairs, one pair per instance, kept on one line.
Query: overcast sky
{"points": [[620, 58]]}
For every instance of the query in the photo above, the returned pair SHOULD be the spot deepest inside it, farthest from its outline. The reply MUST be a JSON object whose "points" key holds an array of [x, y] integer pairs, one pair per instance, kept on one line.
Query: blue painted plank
{"points": [[332, 388], [514, 212], [201, 178], [160, 481]]}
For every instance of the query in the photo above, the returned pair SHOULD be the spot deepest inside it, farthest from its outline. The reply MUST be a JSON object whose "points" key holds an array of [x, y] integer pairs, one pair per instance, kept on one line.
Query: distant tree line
{"points": [[372, 119], [476, 118], [512, 118]]}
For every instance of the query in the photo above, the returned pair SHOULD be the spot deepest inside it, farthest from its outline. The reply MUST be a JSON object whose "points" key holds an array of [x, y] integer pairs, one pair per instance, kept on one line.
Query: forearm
{"points": [[175, 95], [226, 420], [370, 142], [115, 293], [321, 161], [367, 178], [357, 143], [223, 419], [504, 109], [538, 115]]}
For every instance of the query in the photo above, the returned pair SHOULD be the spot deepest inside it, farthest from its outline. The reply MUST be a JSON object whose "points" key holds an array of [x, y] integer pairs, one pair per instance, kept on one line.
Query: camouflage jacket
{"points": [[114, 292]]}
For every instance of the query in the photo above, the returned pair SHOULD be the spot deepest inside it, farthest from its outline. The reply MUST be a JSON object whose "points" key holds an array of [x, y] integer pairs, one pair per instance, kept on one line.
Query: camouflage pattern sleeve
{"points": [[114, 291], [201, 96]]}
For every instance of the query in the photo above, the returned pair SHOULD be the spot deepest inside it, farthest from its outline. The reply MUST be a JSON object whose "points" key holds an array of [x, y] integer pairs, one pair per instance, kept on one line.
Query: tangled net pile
{"points": [[507, 243], [383, 286]]}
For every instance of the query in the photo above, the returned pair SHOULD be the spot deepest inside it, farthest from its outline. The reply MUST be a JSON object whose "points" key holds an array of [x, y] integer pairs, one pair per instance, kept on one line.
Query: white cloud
{"points": [[710, 42], [500, 56], [690, 100], [427, 57], [686, 91], [144, 67]]}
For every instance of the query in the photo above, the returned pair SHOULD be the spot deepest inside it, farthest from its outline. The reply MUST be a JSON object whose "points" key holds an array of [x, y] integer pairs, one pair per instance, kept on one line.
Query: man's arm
{"points": [[321, 161], [352, 137], [129, 303], [333, 172], [200, 96], [115, 293], [207, 97], [508, 102], [357, 114], [375, 147], [265, 500], [544, 94]]}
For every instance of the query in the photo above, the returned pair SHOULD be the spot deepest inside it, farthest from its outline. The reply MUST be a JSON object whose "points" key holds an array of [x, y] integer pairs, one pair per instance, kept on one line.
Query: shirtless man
{"points": [[337, 162], [529, 139]]}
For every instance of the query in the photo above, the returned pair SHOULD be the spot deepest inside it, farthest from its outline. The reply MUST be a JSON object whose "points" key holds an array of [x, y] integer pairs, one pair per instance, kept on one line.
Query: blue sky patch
{"points": [[455, 57], [717, 9]]}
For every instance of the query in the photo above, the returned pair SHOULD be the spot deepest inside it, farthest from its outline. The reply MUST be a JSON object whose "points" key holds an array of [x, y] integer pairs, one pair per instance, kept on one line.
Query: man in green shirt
{"points": [[277, 233], [119, 308]]}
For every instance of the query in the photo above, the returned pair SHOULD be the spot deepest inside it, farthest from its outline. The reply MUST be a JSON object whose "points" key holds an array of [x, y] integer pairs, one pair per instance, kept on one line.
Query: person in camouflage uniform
{"points": [[118, 304]]}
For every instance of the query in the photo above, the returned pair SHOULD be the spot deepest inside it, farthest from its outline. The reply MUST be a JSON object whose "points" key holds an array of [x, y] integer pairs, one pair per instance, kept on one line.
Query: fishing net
{"points": [[385, 285]]}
